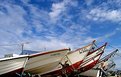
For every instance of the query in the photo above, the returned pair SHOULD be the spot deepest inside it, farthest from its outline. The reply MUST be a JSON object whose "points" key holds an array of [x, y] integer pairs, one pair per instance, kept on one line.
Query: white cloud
{"points": [[25, 1], [46, 45], [89, 2], [104, 14], [12, 23], [12, 26], [57, 9], [74, 35], [61, 8]]}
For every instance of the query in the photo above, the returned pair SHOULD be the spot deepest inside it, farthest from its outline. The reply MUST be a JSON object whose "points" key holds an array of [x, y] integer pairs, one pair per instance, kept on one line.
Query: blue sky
{"points": [[55, 24]]}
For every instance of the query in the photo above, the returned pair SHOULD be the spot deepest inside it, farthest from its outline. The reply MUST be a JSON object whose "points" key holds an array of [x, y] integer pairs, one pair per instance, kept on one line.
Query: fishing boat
{"points": [[101, 66], [107, 57], [110, 66], [71, 61], [91, 60], [95, 72], [12, 66], [43, 62], [103, 62]]}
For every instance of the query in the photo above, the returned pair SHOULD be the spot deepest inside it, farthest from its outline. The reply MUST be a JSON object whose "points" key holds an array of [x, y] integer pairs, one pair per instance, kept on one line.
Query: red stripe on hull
{"points": [[69, 69], [66, 70], [88, 67], [91, 65], [12, 73]]}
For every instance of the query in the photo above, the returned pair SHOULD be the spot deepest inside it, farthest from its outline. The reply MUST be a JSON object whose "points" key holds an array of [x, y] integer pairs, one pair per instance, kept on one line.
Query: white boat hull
{"points": [[91, 60], [13, 65], [73, 59], [43, 62]]}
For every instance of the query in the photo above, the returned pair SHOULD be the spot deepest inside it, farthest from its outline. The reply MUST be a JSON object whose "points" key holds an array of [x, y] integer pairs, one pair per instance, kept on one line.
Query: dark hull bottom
{"points": [[15, 73]]}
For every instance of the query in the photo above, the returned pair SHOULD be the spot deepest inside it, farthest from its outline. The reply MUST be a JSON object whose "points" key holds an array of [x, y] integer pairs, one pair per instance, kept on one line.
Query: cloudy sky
{"points": [[55, 24]]}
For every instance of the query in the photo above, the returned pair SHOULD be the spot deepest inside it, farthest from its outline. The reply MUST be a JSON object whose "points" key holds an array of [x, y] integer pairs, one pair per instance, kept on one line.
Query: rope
{"points": [[112, 47], [115, 48]]}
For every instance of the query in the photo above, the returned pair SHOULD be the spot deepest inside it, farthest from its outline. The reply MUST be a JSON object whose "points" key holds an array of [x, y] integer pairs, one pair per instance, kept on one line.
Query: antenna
{"points": [[22, 46]]}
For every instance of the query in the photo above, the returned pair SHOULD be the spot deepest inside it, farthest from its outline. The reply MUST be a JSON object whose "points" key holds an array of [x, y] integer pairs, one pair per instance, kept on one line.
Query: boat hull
{"points": [[70, 62], [91, 60], [10, 67], [44, 62], [89, 65]]}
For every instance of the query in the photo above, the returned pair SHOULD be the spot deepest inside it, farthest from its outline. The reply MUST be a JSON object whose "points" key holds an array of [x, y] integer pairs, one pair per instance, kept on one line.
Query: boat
{"points": [[110, 66], [101, 67], [41, 63], [12, 66], [95, 72], [104, 62], [71, 61], [91, 60], [107, 57]]}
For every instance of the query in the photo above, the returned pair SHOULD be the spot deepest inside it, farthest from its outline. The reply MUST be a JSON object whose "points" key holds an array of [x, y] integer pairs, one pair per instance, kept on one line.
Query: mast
{"points": [[22, 46]]}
